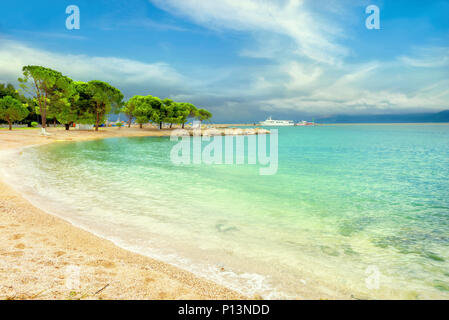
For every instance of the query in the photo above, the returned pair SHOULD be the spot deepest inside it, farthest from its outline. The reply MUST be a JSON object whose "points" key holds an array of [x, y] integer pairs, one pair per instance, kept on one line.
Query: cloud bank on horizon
{"points": [[245, 60]]}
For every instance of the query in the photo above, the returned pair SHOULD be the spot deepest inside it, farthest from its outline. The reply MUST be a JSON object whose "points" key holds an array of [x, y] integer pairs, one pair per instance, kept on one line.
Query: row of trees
{"points": [[148, 108], [55, 96]]}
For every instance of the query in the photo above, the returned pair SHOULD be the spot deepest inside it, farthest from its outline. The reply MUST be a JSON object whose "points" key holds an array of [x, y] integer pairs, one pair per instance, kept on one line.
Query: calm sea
{"points": [[357, 211]]}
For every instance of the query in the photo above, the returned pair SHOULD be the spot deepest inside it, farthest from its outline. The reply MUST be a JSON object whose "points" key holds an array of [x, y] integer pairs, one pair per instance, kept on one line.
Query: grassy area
{"points": [[26, 128]]}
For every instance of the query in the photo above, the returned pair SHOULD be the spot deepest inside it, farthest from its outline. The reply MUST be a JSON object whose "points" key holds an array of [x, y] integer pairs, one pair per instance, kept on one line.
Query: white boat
{"points": [[276, 123], [305, 123]]}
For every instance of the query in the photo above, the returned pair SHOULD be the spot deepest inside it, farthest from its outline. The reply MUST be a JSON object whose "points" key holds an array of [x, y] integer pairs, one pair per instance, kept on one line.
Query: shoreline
{"points": [[38, 249]]}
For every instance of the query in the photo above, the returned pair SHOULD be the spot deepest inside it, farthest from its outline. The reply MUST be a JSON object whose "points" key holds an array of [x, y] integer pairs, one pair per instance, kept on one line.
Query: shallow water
{"points": [[356, 211]]}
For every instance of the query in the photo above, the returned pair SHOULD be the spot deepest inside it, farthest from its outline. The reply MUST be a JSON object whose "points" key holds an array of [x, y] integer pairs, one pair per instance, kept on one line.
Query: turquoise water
{"points": [[349, 205]]}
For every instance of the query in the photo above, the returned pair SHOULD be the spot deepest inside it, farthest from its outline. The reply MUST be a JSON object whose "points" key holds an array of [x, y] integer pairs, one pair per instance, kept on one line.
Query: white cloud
{"points": [[428, 58], [54, 35], [354, 89], [120, 72], [314, 37], [301, 76], [350, 94], [318, 80], [142, 22], [253, 91]]}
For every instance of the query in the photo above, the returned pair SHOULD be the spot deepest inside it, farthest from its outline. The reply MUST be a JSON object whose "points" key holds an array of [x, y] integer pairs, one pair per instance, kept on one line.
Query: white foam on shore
{"points": [[217, 238], [248, 284]]}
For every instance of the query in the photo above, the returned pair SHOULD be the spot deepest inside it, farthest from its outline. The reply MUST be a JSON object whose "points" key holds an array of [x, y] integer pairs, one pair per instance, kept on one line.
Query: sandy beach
{"points": [[39, 252]]}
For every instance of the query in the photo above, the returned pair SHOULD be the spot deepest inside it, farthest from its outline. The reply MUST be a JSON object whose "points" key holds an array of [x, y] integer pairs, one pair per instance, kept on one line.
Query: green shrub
{"points": [[34, 124]]}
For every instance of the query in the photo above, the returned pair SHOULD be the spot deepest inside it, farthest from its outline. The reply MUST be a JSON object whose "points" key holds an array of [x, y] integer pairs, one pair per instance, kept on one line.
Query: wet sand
{"points": [[41, 255]]}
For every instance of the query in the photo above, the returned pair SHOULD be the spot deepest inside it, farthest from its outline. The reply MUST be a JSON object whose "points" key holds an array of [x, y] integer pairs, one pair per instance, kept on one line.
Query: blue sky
{"points": [[243, 59]]}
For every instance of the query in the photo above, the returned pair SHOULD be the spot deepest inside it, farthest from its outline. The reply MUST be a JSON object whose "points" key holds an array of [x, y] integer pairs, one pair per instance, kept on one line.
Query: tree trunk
{"points": [[10, 124], [183, 125], [44, 121], [160, 125], [171, 124], [54, 123], [141, 126], [44, 114], [67, 126], [97, 121], [129, 123]]}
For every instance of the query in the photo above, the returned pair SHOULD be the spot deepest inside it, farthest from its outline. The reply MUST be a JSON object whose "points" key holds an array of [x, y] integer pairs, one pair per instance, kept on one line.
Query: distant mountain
{"points": [[442, 116]]}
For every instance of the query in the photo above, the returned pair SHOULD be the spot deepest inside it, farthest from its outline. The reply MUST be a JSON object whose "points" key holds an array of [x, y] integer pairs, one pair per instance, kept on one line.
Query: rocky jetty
{"points": [[227, 131]]}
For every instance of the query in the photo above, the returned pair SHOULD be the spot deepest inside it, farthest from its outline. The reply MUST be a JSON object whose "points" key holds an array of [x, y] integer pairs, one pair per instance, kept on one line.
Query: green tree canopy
{"points": [[57, 97], [68, 112], [186, 110], [203, 115], [8, 90], [157, 113], [141, 108], [167, 111], [12, 110], [45, 84], [63, 104], [106, 98], [128, 109], [84, 105]]}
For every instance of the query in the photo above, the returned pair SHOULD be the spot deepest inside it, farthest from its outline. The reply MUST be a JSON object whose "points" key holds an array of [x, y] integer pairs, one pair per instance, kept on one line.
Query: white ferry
{"points": [[276, 123]]}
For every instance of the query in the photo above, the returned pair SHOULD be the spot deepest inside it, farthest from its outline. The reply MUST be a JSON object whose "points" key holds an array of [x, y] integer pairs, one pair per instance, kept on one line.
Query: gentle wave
{"points": [[345, 201]]}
